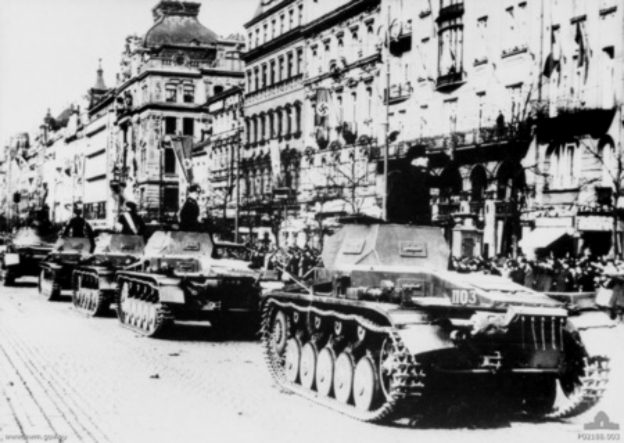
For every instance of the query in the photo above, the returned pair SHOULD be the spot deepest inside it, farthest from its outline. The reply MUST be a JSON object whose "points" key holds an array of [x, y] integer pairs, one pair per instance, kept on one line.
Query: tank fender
{"points": [[171, 294], [595, 330], [420, 338]]}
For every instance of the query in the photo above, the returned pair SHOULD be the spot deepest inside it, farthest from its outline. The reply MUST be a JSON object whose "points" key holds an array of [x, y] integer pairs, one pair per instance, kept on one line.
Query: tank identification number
{"points": [[463, 297]]}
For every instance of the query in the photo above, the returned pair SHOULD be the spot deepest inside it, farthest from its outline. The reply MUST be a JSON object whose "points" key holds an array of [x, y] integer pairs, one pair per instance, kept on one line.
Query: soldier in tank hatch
{"points": [[189, 215], [78, 227]]}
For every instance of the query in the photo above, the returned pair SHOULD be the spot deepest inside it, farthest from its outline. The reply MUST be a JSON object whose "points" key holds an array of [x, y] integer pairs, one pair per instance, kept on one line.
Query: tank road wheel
{"points": [[293, 360], [122, 301], [365, 384], [582, 381], [343, 377], [279, 333], [308, 365], [325, 371]]}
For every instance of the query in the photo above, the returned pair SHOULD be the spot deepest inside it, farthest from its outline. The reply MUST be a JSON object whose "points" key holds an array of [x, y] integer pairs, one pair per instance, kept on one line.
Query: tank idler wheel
{"points": [[325, 371], [308, 365], [365, 384], [279, 332], [343, 377], [293, 359], [387, 366], [538, 395]]}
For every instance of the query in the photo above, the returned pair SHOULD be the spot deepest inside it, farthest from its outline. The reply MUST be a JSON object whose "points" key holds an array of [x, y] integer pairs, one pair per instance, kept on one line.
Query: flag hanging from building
{"points": [[553, 61], [323, 107], [276, 160], [183, 148]]}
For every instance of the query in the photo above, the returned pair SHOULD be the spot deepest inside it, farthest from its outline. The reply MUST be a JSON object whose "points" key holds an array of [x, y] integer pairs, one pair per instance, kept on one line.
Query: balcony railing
{"points": [[449, 80], [280, 86], [399, 92]]}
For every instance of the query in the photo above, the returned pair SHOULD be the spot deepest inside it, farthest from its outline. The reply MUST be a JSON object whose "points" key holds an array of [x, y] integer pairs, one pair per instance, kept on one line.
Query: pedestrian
{"points": [[130, 220], [189, 215], [78, 227]]}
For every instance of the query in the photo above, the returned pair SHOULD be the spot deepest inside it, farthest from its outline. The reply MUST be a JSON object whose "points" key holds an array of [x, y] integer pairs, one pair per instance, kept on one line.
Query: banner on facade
{"points": [[276, 160], [183, 148]]}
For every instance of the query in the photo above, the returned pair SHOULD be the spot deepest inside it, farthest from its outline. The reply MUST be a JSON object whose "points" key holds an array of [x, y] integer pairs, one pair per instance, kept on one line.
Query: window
{"points": [[250, 40], [515, 102], [256, 79], [290, 64], [299, 60], [481, 109], [218, 89], [171, 199], [450, 112], [282, 23], [481, 50], [257, 37], [291, 19], [265, 33], [250, 81], [273, 28], [188, 126], [169, 161], [171, 93], [369, 105], [300, 15], [281, 74], [450, 61], [189, 93], [515, 37], [264, 75], [564, 166], [355, 35], [170, 125], [272, 72]]}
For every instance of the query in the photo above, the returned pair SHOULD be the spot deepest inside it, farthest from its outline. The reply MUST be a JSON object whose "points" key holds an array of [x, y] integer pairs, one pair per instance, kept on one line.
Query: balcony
{"points": [[449, 12], [399, 92], [450, 80], [504, 208]]}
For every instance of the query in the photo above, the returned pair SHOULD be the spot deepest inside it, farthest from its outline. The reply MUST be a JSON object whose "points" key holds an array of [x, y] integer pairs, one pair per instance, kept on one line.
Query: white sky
{"points": [[49, 49]]}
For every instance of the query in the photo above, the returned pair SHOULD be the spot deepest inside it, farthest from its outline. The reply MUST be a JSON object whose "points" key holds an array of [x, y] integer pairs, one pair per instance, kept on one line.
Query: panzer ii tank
{"points": [[185, 276], [385, 328], [24, 253], [94, 284], [56, 271]]}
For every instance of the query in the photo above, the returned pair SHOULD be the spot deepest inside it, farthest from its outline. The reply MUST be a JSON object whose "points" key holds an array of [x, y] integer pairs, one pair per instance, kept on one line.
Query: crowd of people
{"points": [[549, 274]]}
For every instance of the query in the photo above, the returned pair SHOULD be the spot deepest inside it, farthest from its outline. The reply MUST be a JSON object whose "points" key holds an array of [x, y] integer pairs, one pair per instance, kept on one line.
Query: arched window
{"points": [[564, 166], [478, 180], [510, 181]]}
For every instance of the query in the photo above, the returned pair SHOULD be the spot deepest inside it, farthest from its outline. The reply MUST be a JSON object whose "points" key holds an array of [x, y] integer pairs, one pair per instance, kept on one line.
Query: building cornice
{"points": [[268, 13], [338, 15], [283, 40]]}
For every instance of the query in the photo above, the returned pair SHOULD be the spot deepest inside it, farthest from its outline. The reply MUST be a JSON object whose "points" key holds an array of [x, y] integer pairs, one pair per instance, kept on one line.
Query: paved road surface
{"points": [[65, 377]]}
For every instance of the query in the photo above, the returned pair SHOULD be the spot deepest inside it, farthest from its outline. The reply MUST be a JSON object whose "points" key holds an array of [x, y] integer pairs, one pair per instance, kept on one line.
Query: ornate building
{"points": [[165, 78], [488, 90]]}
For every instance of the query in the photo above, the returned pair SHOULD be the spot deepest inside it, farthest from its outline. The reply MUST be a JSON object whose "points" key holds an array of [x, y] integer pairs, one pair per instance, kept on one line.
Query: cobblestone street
{"points": [[65, 377]]}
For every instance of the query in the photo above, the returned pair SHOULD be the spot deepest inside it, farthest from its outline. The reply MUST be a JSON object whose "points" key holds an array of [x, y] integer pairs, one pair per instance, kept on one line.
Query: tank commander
{"points": [[78, 227], [189, 215]]}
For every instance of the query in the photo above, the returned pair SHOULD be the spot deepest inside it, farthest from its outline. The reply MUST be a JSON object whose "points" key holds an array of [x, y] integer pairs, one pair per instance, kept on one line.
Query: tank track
{"points": [[139, 308], [87, 296], [589, 392], [49, 288], [408, 380]]}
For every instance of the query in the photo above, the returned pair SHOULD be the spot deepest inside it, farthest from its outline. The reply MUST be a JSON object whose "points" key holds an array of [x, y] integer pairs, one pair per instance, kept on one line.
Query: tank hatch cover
{"points": [[179, 243]]}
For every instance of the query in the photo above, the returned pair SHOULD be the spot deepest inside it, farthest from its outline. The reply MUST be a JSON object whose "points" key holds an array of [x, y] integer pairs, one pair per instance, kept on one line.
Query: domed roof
{"points": [[177, 24]]}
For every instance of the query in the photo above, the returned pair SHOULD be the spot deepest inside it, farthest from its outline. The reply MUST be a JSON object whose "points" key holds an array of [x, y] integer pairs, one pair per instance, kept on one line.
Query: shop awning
{"points": [[543, 237]]}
